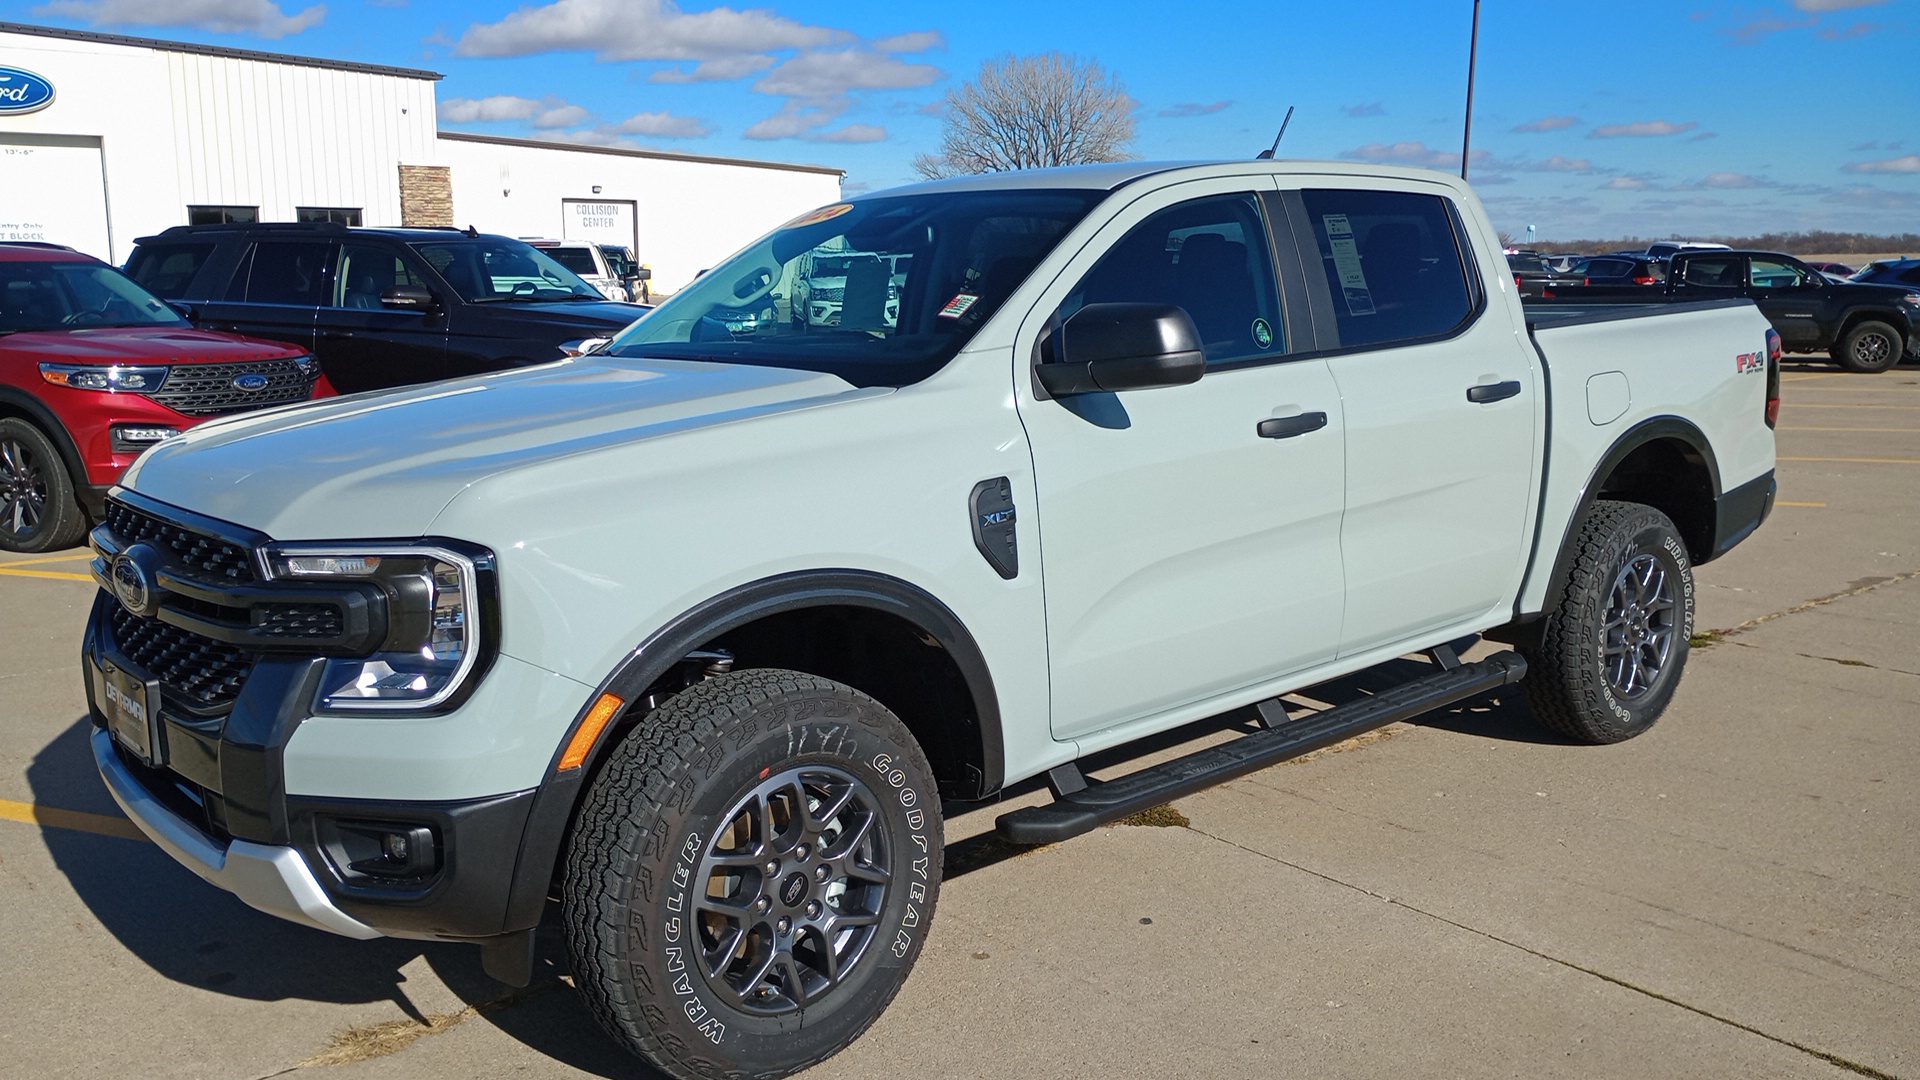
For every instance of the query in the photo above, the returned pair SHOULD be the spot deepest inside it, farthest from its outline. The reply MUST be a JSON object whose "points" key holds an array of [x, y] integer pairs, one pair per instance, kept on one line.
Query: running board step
{"points": [[1103, 801]]}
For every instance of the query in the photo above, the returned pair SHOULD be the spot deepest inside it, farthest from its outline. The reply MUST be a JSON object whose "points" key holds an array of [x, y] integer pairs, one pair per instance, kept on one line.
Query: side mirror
{"points": [[1124, 347], [645, 273], [584, 346], [408, 298], [181, 308]]}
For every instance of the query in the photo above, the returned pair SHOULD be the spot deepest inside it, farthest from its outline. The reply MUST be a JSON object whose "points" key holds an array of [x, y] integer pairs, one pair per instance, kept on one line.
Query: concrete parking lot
{"points": [[1732, 895]]}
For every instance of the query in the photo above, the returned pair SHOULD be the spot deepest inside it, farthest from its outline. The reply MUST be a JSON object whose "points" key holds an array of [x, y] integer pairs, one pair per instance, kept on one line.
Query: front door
{"points": [[1442, 412], [1184, 555], [1791, 296], [363, 344]]}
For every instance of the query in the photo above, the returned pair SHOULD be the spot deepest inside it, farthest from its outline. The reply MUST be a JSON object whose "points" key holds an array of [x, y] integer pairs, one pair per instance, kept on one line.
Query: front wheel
{"points": [[1869, 348], [752, 875], [1616, 637], [38, 508]]}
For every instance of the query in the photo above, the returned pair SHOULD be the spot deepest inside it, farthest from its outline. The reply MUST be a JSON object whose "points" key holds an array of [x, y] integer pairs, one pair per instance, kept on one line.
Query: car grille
{"points": [[194, 551], [298, 621], [200, 672], [207, 389]]}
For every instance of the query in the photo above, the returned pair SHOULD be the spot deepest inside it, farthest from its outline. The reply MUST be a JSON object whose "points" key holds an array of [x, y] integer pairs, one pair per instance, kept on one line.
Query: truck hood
{"points": [[383, 465], [143, 345]]}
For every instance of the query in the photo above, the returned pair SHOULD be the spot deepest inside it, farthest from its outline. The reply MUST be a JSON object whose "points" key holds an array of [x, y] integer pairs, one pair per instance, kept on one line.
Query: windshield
{"points": [[881, 292], [68, 295], [577, 259], [498, 269]]}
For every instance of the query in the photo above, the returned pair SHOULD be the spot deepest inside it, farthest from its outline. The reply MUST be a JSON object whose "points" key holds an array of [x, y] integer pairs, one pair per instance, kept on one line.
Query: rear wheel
{"points": [[38, 508], [1869, 348], [1616, 637], [752, 875]]}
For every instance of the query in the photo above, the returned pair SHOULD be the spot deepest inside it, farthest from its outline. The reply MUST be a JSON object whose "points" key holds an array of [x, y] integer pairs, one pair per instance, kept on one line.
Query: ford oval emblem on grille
{"points": [[250, 382], [134, 584]]}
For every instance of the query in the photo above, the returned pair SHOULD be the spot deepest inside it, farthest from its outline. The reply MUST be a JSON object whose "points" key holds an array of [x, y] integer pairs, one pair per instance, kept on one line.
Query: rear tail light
{"points": [[1517, 283], [1773, 377], [1646, 279]]}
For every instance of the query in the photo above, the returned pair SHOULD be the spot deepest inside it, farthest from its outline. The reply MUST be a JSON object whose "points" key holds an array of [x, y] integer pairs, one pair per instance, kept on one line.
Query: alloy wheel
{"points": [[23, 489], [1637, 635]]}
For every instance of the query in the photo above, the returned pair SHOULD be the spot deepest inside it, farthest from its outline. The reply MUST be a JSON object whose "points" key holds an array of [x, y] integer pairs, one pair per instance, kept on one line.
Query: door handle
{"points": [[1500, 391], [1286, 427]]}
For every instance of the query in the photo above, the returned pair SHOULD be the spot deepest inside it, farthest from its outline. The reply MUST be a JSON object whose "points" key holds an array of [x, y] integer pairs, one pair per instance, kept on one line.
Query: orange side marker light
{"points": [[589, 731]]}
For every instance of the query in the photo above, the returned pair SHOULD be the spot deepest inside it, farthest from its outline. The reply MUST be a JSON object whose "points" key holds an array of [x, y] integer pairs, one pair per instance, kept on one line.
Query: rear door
{"points": [[1441, 404], [275, 291], [364, 345]]}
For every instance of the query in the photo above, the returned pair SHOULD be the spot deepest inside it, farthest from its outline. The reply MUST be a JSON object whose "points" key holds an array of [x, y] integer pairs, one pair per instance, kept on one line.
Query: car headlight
{"points": [[113, 379], [1912, 299], [434, 621]]}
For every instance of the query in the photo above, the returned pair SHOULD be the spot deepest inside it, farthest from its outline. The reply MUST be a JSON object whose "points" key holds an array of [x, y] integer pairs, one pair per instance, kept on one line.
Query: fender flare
{"points": [[35, 411], [1635, 437], [561, 792]]}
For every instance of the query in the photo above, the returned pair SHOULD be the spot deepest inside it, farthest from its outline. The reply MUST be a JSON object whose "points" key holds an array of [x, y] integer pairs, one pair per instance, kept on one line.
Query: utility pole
{"points": [[1473, 49]]}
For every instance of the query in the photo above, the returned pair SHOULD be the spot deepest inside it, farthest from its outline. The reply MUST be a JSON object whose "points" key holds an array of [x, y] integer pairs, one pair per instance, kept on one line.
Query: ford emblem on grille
{"points": [[250, 382], [134, 582]]}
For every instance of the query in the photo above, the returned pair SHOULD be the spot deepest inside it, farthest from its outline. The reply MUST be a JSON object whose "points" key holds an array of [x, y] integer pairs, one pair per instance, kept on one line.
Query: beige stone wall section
{"points": [[426, 195]]}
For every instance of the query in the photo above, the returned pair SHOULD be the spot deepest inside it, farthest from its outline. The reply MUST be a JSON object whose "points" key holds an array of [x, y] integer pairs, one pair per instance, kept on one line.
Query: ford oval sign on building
{"points": [[23, 92]]}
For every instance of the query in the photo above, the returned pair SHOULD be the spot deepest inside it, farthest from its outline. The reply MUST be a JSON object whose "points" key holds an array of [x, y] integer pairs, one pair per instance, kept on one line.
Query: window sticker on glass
{"points": [[1263, 333], [958, 306], [1346, 261]]}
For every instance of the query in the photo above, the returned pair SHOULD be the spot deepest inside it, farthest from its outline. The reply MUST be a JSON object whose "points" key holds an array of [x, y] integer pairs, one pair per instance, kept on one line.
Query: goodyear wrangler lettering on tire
{"points": [[786, 818]]}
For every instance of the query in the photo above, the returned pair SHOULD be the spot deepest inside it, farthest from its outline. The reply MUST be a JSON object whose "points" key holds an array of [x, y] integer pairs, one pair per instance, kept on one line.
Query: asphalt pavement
{"points": [[1732, 895]]}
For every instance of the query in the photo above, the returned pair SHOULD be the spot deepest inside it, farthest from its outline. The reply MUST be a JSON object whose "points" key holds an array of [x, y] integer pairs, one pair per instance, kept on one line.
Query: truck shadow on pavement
{"points": [[197, 935]]}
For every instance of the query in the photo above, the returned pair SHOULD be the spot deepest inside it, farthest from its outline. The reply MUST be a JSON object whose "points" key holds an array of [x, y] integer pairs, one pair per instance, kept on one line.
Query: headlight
{"points": [[433, 621], [114, 379], [1911, 298]]}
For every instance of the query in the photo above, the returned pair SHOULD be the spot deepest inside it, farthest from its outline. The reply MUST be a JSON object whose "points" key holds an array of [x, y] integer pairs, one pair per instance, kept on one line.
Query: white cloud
{"points": [[1556, 163], [1194, 108], [718, 69], [828, 74], [1371, 108], [1548, 123], [805, 120], [1875, 198], [913, 42], [640, 30], [662, 125], [561, 116], [1731, 180], [497, 107], [263, 18], [1625, 183], [1907, 164], [1833, 5], [852, 133], [1415, 152], [1643, 128]]}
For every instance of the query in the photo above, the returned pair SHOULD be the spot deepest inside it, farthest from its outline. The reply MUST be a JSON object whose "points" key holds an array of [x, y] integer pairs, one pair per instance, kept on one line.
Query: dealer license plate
{"points": [[131, 700]]}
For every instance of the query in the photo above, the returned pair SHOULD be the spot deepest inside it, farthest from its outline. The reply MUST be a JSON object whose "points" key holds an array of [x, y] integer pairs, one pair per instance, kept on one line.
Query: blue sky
{"points": [[1591, 119]]}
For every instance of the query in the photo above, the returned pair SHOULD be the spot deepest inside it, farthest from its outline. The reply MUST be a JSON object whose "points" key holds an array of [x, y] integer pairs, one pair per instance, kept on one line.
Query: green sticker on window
{"points": [[1262, 334]]}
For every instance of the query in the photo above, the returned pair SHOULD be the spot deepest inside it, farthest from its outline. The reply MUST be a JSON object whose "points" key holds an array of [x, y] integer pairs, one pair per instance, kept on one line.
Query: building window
{"points": [[338, 215], [222, 215]]}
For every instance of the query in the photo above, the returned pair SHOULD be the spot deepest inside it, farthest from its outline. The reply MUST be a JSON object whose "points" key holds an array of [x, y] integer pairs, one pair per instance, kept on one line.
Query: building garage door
{"points": [[56, 191]]}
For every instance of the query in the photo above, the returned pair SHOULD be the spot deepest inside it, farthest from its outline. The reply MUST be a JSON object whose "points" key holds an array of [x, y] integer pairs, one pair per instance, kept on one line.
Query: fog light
{"points": [[133, 438]]}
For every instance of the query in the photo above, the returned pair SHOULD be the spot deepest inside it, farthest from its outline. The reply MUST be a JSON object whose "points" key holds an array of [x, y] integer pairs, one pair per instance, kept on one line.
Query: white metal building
{"points": [[105, 138]]}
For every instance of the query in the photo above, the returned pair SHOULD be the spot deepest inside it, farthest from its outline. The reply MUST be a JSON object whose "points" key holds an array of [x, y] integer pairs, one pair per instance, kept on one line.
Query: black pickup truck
{"points": [[1864, 328]]}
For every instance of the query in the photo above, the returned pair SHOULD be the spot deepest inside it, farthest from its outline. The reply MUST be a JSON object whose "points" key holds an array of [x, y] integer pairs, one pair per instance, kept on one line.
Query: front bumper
{"points": [[271, 878]]}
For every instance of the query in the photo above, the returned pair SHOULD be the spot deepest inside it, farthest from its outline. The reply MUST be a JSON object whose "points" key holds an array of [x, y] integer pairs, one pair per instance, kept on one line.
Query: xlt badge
{"points": [[993, 525]]}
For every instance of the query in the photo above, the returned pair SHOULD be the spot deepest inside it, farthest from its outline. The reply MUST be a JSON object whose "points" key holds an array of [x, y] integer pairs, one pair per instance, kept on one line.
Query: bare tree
{"points": [[1028, 112]]}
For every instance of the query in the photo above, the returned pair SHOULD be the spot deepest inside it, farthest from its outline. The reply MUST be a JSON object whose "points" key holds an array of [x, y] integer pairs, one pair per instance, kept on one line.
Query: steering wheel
{"points": [[754, 286], [525, 288], [86, 315]]}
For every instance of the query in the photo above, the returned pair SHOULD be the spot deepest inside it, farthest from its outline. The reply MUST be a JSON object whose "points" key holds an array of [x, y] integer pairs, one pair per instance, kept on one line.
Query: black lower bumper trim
{"points": [[1739, 512], [1102, 802]]}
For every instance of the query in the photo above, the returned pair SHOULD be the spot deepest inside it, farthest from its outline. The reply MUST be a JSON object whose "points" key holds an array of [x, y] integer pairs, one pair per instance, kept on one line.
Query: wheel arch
{"points": [[875, 611], [16, 404], [1853, 317]]}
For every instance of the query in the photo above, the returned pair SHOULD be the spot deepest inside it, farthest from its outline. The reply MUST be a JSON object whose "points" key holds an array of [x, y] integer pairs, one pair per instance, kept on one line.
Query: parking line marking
{"points": [[1866, 460], [1850, 429], [79, 820], [1785, 502], [47, 559], [55, 575], [1843, 405]]}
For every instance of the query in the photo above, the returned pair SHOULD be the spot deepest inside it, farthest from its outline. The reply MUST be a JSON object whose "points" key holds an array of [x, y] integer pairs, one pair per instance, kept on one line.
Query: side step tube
{"points": [[1101, 802]]}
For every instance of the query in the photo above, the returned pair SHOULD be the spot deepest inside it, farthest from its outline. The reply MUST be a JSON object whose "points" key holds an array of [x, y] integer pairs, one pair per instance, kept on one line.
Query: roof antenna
{"points": [[471, 231], [1267, 154]]}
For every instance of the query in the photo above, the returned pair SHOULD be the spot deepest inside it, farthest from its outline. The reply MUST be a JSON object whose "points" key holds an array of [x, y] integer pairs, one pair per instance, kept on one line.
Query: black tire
{"points": [[1615, 641], [686, 949], [38, 509], [1869, 348]]}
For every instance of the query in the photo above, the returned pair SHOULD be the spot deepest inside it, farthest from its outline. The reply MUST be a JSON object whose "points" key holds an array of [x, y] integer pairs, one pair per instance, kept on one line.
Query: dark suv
{"points": [[380, 307]]}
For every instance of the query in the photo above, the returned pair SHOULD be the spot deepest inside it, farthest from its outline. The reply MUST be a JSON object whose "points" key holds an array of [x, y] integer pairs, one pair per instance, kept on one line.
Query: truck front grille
{"points": [[208, 389], [203, 674], [197, 552]]}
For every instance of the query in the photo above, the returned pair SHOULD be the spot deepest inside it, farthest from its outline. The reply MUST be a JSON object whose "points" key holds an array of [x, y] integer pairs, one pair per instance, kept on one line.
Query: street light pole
{"points": [[1473, 50]]}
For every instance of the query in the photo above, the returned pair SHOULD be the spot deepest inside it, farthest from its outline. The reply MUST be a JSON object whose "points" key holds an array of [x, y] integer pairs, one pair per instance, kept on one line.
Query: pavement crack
{"points": [[1827, 1056], [1821, 601]]}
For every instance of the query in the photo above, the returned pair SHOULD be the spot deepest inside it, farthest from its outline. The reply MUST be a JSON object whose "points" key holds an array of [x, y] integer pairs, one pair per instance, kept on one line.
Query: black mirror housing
{"points": [[1110, 347], [408, 297]]}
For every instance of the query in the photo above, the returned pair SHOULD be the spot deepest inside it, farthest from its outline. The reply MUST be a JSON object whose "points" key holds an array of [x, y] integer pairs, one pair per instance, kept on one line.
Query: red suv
{"points": [[93, 370]]}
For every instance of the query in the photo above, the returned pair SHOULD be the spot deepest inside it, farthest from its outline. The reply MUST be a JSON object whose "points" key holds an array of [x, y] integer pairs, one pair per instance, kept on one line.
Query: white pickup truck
{"points": [[701, 633]]}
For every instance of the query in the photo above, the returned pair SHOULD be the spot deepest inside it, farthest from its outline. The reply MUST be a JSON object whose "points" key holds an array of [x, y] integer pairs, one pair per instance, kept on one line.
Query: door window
{"points": [[1774, 274], [287, 273], [167, 269], [1394, 262], [1713, 272], [366, 271], [1209, 256]]}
